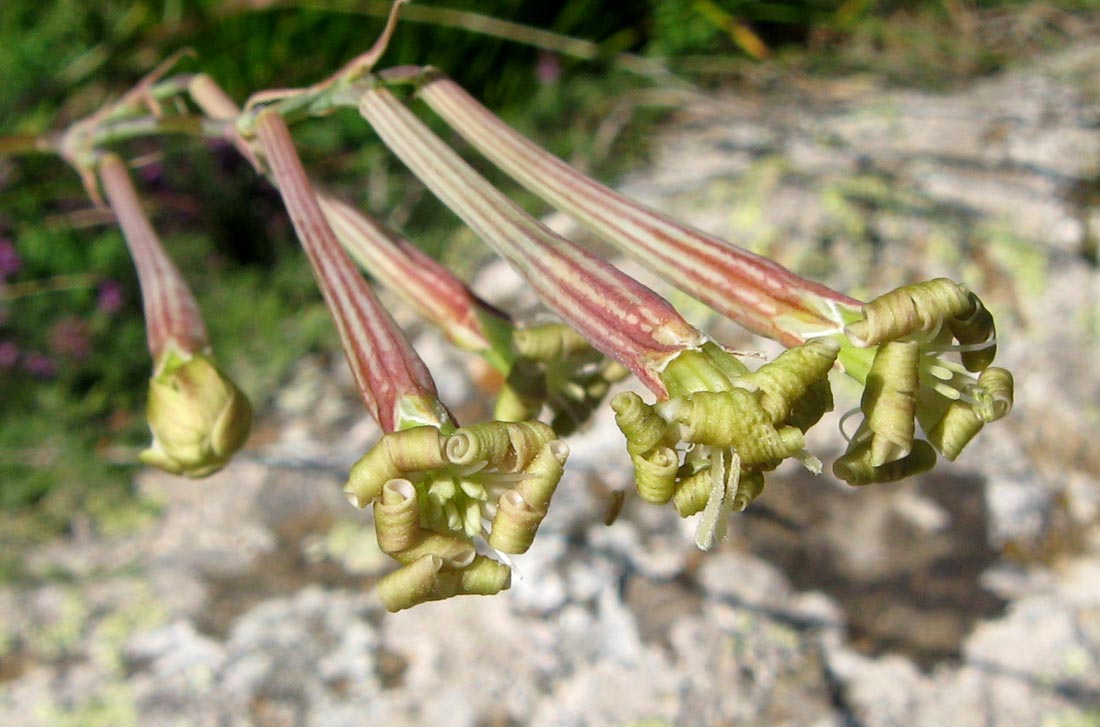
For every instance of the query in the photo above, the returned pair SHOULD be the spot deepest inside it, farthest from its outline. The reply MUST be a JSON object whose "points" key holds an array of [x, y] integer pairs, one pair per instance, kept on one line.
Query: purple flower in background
{"points": [[10, 262], [40, 365], [547, 69], [9, 354], [70, 337], [152, 174], [110, 297]]}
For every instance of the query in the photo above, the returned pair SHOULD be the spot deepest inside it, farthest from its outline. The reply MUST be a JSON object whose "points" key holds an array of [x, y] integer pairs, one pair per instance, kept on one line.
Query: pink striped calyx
{"points": [[545, 365], [198, 417], [756, 292], [619, 316], [393, 381]]}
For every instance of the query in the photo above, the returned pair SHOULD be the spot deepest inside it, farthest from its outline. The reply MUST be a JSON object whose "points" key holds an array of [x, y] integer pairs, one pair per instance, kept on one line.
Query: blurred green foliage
{"points": [[69, 428]]}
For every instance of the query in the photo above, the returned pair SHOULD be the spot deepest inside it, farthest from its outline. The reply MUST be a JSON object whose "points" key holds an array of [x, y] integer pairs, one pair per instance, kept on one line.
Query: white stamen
{"points": [[967, 347], [844, 420], [572, 390], [944, 390], [724, 478], [506, 478], [810, 462], [474, 490], [471, 469], [940, 372]]}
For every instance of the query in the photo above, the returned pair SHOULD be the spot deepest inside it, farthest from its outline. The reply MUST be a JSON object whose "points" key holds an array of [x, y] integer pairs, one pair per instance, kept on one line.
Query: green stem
{"points": [[27, 288]]}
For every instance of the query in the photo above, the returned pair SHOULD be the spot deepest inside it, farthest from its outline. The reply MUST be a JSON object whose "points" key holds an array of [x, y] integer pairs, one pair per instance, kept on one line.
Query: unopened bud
{"points": [[198, 417]]}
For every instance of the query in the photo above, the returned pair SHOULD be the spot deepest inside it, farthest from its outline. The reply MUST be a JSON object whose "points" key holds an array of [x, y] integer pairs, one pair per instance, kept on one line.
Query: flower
{"points": [[715, 427], [10, 262], [547, 68], [9, 354], [39, 365], [198, 417], [543, 365], [110, 298], [70, 337], [435, 488], [894, 345]]}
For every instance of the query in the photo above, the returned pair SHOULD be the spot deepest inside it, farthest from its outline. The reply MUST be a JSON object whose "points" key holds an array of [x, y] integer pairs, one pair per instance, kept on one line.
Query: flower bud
{"points": [[198, 417]]}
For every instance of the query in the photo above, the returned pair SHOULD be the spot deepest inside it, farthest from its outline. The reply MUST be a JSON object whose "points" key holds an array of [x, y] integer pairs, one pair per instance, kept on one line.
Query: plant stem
{"points": [[53, 284]]}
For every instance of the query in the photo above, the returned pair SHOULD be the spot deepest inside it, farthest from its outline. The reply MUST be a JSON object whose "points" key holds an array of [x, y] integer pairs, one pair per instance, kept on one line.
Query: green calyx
{"points": [[896, 349], [198, 417], [556, 367], [706, 448], [432, 493]]}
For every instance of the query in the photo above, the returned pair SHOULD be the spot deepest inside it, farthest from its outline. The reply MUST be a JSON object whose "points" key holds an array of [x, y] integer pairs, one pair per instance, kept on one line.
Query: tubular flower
{"points": [[197, 415], [543, 365], [905, 384], [433, 487], [716, 426]]}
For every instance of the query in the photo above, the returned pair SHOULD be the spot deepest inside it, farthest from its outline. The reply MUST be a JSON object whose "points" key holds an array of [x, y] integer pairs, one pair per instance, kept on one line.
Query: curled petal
{"points": [[543, 474], [959, 424], [410, 585], [735, 419], [640, 423], [505, 446], [692, 493], [748, 489], [973, 328], [996, 384], [808, 409], [455, 552], [397, 517], [963, 420], [515, 524], [855, 466], [549, 342], [655, 474], [786, 379], [889, 401], [398, 454], [483, 577], [707, 368], [921, 307], [523, 393]]}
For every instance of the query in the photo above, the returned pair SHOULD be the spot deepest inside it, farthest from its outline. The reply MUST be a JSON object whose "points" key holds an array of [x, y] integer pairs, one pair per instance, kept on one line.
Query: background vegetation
{"points": [[73, 365]]}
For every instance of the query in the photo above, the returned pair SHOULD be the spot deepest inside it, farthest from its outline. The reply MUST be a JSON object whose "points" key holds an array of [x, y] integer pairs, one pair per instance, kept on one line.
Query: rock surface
{"points": [[970, 596]]}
